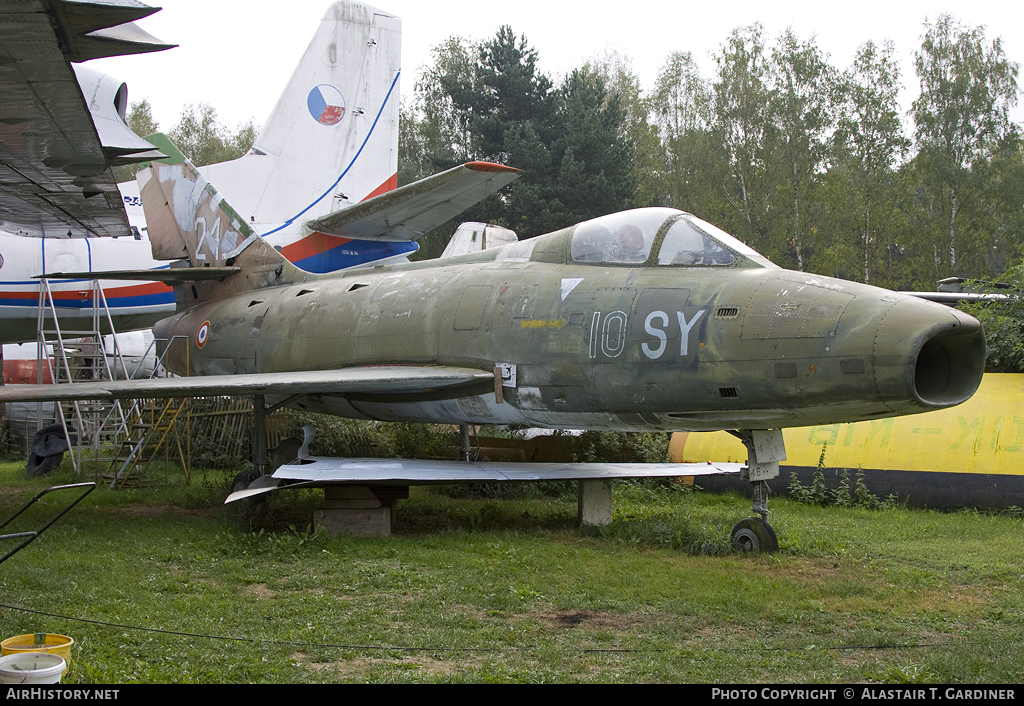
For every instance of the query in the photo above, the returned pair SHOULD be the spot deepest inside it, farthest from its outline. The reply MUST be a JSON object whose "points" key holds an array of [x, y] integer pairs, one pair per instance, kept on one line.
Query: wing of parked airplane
{"points": [[375, 379], [362, 471], [61, 125], [412, 210], [167, 275]]}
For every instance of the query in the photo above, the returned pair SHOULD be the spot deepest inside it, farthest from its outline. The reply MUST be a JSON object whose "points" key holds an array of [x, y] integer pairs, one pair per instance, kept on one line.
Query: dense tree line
{"points": [[813, 165], [199, 135], [489, 102]]}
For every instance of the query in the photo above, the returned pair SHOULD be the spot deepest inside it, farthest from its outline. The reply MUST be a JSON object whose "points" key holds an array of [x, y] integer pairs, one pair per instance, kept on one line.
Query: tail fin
{"points": [[332, 138], [188, 220]]}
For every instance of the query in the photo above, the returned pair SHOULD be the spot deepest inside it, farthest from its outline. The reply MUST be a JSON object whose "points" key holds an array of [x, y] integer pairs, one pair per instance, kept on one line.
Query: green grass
{"points": [[508, 590]]}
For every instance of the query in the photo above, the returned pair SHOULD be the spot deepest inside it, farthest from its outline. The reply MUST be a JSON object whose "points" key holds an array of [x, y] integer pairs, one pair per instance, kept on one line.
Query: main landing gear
{"points": [[766, 448], [267, 460]]}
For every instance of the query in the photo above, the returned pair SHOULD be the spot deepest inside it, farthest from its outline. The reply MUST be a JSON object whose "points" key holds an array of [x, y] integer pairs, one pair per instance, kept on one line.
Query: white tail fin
{"points": [[332, 139]]}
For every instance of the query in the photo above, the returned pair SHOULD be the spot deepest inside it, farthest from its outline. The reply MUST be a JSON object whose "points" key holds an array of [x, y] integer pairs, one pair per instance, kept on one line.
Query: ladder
{"points": [[79, 355], [150, 427]]}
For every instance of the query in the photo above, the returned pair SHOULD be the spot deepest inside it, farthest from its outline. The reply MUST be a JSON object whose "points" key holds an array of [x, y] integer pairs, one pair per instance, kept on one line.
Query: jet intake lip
{"points": [[949, 365]]}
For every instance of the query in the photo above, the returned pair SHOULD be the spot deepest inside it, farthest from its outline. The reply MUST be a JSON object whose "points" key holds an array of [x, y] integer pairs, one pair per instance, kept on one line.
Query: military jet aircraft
{"points": [[649, 319]]}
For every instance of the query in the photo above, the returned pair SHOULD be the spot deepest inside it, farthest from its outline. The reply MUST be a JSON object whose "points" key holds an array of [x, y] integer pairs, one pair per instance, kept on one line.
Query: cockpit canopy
{"points": [[677, 238]]}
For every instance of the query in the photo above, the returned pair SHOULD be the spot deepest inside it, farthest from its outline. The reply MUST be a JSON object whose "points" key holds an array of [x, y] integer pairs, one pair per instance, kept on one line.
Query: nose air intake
{"points": [[949, 365], [927, 354]]}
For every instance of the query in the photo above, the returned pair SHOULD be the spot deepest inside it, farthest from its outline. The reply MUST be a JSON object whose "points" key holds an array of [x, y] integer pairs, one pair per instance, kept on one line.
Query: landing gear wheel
{"points": [[753, 534], [242, 480]]}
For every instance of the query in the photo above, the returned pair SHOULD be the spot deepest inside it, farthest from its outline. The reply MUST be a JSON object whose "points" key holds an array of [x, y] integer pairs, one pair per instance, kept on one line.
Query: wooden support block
{"points": [[350, 497]]}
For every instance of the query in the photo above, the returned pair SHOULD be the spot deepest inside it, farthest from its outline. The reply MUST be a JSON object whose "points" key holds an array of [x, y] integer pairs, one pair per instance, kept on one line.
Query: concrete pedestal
{"points": [[595, 502], [359, 510], [370, 511]]}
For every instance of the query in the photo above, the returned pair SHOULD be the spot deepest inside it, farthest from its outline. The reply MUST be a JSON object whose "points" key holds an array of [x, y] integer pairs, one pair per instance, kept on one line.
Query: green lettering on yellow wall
{"points": [[965, 431]]}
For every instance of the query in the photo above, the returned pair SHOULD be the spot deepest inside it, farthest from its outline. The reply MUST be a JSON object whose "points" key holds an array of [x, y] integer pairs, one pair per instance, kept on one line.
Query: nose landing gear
{"points": [[766, 449]]}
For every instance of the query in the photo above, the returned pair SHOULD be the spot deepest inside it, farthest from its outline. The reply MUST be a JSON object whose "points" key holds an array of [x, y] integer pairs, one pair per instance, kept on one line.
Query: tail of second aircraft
{"points": [[332, 138]]}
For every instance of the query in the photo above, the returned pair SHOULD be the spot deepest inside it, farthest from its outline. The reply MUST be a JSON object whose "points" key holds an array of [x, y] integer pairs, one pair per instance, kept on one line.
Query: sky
{"points": [[237, 55]]}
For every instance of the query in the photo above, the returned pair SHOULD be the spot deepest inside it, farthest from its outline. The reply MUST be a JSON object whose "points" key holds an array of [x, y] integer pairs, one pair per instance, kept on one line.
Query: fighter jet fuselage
{"points": [[646, 319]]}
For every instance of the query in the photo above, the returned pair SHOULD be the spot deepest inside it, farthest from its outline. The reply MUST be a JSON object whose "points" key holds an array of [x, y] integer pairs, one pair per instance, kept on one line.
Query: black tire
{"points": [[42, 465], [754, 535], [50, 441], [242, 480]]}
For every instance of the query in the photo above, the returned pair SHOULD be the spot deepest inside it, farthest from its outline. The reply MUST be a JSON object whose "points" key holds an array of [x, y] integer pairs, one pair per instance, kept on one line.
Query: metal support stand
{"points": [[82, 356], [259, 408], [464, 451]]}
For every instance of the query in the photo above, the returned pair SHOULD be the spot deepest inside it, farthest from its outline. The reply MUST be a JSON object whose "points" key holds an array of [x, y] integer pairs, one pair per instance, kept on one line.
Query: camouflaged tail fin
{"points": [[189, 221]]}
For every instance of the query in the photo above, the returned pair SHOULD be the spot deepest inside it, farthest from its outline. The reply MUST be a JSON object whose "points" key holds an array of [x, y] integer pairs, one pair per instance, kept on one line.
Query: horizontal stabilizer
{"points": [[167, 275], [376, 379], [414, 209], [374, 471]]}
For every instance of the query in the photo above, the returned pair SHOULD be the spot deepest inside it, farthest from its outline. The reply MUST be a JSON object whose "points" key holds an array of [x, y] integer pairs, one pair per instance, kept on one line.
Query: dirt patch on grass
{"points": [[594, 620], [258, 590], [854, 587], [7, 491], [719, 634]]}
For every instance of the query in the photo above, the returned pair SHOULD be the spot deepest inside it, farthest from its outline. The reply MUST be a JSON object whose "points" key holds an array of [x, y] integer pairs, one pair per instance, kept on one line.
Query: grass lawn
{"points": [[164, 584]]}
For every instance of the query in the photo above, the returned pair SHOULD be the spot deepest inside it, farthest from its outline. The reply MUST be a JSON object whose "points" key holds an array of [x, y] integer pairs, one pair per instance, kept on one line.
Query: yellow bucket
{"points": [[40, 642]]}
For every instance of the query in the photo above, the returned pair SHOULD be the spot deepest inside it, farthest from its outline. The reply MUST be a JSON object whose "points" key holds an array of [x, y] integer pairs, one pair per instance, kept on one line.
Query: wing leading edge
{"points": [[383, 379]]}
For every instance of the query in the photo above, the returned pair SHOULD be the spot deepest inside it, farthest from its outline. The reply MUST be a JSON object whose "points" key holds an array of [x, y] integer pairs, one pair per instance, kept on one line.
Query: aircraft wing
{"points": [[378, 379], [167, 275], [62, 126], [954, 298], [414, 209], [374, 471]]}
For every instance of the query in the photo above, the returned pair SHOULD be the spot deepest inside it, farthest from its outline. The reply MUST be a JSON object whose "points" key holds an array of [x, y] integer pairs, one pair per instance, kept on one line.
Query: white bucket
{"points": [[31, 668]]}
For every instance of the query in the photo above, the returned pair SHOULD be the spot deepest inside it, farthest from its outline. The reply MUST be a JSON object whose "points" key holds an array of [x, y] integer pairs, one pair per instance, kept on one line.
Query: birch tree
{"points": [[967, 88]]}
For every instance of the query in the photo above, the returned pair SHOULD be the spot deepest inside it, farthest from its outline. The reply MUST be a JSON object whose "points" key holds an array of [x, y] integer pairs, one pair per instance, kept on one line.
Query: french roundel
{"points": [[202, 334], [326, 104]]}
